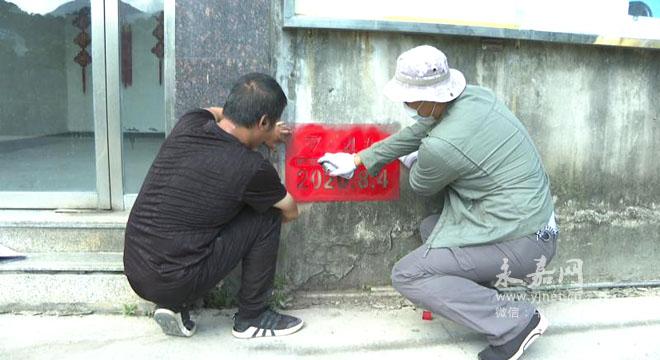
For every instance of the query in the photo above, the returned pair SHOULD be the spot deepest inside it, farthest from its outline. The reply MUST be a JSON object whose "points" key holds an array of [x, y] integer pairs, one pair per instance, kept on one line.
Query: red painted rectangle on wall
{"points": [[307, 181]]}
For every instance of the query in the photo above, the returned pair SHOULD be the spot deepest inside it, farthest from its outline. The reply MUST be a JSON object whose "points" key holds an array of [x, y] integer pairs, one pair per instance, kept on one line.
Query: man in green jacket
{"points": [[497, 224]]}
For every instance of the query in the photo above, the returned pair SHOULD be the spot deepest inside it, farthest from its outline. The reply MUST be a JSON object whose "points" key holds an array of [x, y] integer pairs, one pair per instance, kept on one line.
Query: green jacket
{"points": [[480, 153]]}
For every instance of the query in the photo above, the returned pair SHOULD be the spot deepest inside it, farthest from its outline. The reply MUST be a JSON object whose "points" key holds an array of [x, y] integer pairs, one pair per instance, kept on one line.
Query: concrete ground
{"points": [[615, 328]]}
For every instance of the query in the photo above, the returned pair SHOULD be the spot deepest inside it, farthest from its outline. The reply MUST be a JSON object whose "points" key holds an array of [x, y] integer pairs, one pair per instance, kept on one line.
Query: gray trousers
{"points": [[455, 282]]}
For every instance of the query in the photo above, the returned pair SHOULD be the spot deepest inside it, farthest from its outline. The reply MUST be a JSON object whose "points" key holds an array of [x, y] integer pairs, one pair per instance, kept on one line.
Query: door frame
{"points": [[119, 200]]}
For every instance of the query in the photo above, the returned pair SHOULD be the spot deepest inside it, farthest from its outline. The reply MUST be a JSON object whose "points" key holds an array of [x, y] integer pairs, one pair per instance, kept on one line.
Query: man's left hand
{"points": [[409, 160], [281, 134]]}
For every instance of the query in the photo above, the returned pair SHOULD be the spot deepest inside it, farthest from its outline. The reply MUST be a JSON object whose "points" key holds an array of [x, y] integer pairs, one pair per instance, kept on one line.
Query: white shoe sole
{"points": [[171, 323], [532, 336], [255, 332]]}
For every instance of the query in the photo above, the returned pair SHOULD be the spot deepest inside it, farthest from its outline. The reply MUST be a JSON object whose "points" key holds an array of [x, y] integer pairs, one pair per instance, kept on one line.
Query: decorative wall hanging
{"points": [[83, 39], [126, 55], [159, 48]]}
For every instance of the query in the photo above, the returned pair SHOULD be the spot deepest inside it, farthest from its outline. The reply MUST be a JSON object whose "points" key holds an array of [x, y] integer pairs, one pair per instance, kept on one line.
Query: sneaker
{"points": [[513, 349], [269, 323], [175, 324]]}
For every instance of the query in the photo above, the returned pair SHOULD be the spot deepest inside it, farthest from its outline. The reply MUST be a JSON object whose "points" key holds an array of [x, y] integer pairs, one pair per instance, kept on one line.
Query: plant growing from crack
{"points": [[226, 296], [129, 309], [281, 298]]}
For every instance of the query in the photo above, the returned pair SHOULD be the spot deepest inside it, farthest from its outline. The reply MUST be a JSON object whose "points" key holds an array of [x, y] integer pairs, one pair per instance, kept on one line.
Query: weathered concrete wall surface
{"points": [[592, 111]]}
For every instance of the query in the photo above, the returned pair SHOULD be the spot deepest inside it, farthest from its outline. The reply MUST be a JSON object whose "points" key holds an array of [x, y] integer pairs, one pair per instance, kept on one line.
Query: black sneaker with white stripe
{"points": [[175, 324], [269, 323], [513, 349]]}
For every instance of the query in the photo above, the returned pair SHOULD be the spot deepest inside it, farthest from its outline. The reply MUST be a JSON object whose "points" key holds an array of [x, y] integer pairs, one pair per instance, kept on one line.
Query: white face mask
{"points": [[413, 113]]}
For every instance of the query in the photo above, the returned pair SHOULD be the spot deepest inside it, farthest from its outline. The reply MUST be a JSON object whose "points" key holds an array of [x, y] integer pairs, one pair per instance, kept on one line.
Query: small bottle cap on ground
{"points": [[427, 315]]}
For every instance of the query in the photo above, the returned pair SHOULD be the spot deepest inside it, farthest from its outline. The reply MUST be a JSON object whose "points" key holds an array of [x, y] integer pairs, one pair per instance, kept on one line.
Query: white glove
{"points": [[343, 164], [409, 160]]}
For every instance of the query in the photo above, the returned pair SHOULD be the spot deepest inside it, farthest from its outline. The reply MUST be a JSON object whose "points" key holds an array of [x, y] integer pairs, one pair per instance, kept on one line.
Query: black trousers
{"points": [[251, 237]]}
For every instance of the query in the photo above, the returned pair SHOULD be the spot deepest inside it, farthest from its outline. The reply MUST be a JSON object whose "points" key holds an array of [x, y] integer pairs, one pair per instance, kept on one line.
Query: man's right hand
{"points": [[344, 164]]}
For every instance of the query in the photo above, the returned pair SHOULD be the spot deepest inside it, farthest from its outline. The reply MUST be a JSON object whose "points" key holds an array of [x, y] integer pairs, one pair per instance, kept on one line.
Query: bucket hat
{"points": [[422, 74]]}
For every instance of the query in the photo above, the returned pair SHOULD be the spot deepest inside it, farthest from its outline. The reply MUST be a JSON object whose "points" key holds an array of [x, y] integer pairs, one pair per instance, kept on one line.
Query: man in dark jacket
{"points": [[210, 201]]}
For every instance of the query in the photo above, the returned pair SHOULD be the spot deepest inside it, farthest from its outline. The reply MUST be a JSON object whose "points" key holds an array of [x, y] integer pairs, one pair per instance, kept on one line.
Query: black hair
{"points": [[253, 96]]}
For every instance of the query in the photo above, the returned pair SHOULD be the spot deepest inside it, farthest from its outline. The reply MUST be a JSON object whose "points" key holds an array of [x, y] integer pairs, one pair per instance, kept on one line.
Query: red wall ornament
{"points": [[126, 55], [83, 39], [159, 48]]}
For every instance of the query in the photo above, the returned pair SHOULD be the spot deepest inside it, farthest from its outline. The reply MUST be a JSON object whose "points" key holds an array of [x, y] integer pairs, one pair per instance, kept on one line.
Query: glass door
{"points": [[137, 66], [142, 102], [83, 100], [53, 144]]}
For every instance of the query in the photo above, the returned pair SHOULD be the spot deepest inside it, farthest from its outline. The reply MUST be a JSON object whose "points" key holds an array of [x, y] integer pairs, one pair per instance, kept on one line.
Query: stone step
{"points": [[58, 231], [69, 262], [68, 282]]}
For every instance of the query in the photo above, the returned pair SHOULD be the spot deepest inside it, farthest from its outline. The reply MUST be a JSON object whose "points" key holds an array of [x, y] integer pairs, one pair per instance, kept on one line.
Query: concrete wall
{"points": [[592, 111]]}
